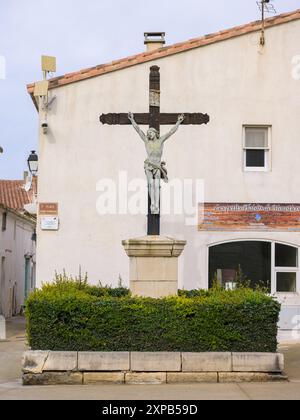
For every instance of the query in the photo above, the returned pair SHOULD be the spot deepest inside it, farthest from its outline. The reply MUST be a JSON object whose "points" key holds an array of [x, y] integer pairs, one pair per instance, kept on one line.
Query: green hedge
{"points": [[85, 318]]}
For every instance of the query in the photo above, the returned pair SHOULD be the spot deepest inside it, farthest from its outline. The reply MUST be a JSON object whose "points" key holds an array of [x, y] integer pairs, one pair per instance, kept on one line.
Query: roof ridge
{"points": [[168, 50]]}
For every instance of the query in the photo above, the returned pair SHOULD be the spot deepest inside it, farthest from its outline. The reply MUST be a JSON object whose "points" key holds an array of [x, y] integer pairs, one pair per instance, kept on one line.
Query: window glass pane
{"points": [[256, 137], [249, 261], [285, 256], [286, 282], [255, 158]]}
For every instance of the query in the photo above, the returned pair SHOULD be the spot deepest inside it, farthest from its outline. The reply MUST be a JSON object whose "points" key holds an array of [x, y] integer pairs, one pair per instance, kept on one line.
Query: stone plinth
{"points": [[153, 265]]}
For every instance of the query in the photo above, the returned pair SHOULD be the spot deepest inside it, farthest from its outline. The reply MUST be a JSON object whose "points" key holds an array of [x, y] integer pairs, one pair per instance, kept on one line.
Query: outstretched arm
{"points": [[136, 127], [174, 129]]}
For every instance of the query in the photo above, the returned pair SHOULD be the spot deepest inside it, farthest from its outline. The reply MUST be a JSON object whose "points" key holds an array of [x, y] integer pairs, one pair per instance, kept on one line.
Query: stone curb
{"points": [[49, 367], [146, 378]]}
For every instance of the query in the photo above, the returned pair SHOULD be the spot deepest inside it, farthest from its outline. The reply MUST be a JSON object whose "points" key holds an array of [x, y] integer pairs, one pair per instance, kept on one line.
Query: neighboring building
{"points": [[17, 247], [249, 154]]}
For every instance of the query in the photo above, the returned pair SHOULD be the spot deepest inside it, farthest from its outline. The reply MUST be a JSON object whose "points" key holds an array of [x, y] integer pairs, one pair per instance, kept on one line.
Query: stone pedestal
{"points": [[154, 265]]}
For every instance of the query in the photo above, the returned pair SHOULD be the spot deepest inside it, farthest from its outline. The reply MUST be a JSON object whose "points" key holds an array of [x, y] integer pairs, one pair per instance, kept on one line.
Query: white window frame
{"points": [[276, 270], [267, 150]]}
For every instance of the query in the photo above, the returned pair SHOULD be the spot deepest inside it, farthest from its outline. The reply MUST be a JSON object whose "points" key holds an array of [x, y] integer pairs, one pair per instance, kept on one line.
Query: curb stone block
{"points": [[61, 361], [258, 362], [53, 378], [192, 377], [206, 362], [34, 361], [103, 361], [148, 378], [237, 377], [92, 378], [155, 362]]}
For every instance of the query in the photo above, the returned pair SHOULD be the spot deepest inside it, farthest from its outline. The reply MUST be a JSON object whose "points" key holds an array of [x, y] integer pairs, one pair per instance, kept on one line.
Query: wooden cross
{"points": [[154, 119]]}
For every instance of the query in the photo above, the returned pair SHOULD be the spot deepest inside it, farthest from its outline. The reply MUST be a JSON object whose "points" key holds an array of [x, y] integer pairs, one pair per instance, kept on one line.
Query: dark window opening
{"points": [[286, 282], [255, 158], [285, 256], [251, 258], [4, 221]]}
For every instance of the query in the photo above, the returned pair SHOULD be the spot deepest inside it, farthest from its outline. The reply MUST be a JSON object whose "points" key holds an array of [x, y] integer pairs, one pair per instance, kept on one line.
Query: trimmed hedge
{"points": [[85, 318]]}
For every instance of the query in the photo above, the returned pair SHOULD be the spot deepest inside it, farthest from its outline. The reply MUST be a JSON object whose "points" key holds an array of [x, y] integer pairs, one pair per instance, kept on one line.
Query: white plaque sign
{"points": [[49, 223]]}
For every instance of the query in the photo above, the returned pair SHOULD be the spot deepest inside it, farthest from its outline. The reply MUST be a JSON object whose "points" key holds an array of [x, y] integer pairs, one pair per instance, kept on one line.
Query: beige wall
{"points": [[236, 83], [15, 243]]}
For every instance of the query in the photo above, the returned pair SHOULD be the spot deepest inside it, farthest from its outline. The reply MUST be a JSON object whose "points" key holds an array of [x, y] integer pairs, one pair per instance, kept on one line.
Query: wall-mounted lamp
{"points": [[33, 162]]}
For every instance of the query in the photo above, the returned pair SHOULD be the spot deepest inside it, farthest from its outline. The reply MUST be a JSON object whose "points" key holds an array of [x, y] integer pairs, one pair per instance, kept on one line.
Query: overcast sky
{"points": [[86, 33]]}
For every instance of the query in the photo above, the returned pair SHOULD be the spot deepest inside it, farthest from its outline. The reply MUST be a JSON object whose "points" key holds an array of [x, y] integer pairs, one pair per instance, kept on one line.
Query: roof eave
{"points": [[20, 214], [166, 52]]}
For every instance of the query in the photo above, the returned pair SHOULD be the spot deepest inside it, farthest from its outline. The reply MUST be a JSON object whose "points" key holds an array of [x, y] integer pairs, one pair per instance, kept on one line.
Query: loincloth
{"points": [[155, 167]]}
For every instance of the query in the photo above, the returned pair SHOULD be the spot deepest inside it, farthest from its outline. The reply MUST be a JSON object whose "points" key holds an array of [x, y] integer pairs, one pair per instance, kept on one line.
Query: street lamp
{"points": [[33, 162]]}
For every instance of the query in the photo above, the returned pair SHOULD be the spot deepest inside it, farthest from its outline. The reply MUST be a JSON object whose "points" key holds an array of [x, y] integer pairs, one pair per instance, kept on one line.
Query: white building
{"points": [[17, 247], [248, 155]]}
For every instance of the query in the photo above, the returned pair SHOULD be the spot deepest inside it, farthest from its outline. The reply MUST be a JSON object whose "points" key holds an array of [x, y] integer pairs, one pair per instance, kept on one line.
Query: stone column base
{"points": [[153, 265]]}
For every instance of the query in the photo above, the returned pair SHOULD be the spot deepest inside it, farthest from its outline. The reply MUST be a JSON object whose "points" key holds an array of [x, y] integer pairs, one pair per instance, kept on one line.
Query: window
{"points": [[259, 263], [256, 148], [246, 261], [286, 282], [4, 221], [286, 268]]}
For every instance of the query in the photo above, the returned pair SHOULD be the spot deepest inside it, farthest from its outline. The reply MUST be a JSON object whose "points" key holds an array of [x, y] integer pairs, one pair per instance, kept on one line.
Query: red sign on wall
{"points": [[48, 209], [249, 217]]}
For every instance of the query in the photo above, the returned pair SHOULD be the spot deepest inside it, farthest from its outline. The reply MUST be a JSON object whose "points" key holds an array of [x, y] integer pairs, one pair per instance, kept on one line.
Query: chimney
{"points": [[154, 40]]}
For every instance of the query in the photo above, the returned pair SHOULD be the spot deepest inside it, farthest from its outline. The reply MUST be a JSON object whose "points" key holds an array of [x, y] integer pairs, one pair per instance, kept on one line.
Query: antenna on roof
{"points": [[41, 88], [265, 7]]}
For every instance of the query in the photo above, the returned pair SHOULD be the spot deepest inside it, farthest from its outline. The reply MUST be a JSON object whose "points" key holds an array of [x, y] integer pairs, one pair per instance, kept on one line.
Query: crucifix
{"points": [[154, 168]]}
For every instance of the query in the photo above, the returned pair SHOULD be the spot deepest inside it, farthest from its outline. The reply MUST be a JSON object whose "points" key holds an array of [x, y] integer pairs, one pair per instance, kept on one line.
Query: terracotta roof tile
{"points": [[167, 51], [13, 195]]}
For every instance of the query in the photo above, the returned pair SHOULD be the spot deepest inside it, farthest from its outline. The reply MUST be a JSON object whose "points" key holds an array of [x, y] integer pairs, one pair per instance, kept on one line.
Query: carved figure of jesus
{"points": [[154, 167]]}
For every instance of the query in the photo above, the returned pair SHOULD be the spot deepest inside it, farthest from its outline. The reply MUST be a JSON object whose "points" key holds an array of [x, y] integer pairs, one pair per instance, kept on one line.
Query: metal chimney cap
{"points": [[155, 37]]}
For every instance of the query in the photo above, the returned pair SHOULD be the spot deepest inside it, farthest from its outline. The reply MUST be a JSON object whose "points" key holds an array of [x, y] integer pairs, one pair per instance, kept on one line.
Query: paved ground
{"points": [[11, 388]]}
